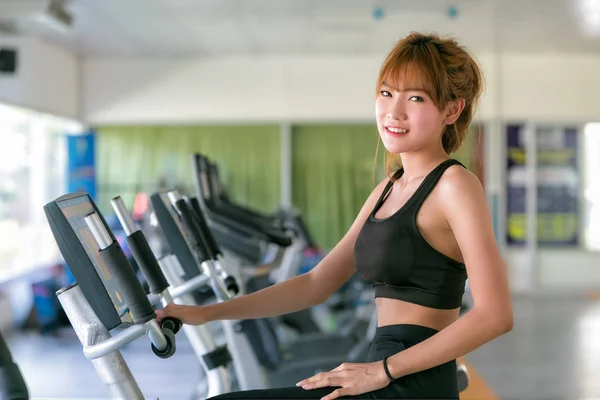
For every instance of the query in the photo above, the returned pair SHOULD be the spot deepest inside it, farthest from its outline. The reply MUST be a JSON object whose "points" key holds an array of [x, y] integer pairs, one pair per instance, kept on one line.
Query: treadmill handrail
{"points": [[236, 213], [150, 328], [260, 232], [213, 181]]}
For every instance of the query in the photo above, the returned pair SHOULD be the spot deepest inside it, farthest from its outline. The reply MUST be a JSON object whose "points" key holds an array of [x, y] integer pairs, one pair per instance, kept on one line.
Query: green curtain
{"points": [[133, 159], [332, 176]]}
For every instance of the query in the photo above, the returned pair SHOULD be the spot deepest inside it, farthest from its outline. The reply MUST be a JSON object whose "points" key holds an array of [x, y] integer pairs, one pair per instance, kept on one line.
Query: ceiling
{"points": [[184, 28]]}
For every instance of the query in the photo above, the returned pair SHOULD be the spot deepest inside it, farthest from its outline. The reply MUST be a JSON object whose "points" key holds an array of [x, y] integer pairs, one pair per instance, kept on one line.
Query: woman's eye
{"points": [[416, 98], [385, 93]]}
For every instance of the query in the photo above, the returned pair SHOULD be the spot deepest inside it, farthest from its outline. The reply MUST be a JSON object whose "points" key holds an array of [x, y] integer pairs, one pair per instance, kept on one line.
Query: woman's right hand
{"points": [[189, 315]]}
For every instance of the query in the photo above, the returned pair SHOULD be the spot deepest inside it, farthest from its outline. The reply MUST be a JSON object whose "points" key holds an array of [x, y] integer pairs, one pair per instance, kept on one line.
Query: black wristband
{"points": [[387, 371]]}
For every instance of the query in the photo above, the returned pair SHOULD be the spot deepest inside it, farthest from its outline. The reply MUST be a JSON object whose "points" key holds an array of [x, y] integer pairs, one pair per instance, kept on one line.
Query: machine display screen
{"points": [[75, 210]]}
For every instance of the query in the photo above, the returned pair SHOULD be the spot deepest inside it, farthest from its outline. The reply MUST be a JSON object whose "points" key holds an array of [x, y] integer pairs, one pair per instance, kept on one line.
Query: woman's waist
{"points": [[393, 339], [392, 312]]}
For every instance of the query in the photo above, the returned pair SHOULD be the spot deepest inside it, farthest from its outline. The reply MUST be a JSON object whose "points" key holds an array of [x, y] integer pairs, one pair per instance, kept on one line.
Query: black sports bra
{"points": [[392, 254]]}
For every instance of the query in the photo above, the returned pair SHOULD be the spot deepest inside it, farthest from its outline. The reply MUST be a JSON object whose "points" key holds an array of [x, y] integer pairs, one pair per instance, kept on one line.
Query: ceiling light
{"points": [[56, 17]]}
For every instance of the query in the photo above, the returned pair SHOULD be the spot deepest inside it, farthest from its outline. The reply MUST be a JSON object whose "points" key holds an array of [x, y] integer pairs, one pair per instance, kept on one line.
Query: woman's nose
{"points": [[396, 111]]}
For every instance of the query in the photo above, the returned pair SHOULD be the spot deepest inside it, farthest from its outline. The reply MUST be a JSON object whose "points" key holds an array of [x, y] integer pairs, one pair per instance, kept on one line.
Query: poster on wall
{"points": [[81, 164], [557, 186]]}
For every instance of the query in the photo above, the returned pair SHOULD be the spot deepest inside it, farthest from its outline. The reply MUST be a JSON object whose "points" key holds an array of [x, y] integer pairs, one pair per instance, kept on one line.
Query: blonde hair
{"points": [[445, 70]]}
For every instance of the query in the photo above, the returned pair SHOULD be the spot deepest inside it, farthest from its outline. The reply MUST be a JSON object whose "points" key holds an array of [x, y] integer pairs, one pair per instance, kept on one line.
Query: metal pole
{"points": [[219, 379], [123, 215], [112, 369], [285, 149], [98, 230], [531, 203]]}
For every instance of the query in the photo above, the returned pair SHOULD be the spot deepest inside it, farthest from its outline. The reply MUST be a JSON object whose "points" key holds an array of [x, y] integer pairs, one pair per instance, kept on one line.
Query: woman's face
{"points": [[407, 118]]}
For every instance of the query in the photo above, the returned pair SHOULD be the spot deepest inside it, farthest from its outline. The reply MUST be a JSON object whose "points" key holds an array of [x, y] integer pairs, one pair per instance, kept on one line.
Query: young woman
{"points": [[417, 237]]}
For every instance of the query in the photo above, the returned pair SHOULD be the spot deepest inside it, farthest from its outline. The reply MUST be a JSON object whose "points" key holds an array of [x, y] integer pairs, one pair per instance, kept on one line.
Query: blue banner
{"points": [[81, 164]]}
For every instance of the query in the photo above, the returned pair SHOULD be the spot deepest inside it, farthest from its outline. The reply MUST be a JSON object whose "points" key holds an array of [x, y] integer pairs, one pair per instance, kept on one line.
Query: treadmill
{"points": [[106, 295], [192, 241], [108, 307], [240, 233], [282, 218], [312, 340]]}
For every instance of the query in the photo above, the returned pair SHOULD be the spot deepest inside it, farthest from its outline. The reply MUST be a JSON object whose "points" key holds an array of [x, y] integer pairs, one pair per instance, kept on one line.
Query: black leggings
{"points": [[436, 383]]}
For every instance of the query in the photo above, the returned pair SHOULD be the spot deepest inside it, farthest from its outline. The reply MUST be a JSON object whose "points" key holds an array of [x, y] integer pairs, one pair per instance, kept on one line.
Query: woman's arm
{"points": [[295, 294], [466, 210]]}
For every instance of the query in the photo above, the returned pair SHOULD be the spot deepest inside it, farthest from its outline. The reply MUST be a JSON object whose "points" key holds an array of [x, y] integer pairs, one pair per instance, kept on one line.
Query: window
{"points": [[32, 173], [591, 139]]}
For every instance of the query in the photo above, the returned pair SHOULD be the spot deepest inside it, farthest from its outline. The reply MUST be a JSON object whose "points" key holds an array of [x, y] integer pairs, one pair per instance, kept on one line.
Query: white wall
{"points": [[550, 87], [544, 87], [47, 78], [241, 89]]}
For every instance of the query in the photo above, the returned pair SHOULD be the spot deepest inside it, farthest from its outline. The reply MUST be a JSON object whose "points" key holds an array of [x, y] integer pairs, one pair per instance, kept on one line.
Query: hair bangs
{"points": [[415, 67]]}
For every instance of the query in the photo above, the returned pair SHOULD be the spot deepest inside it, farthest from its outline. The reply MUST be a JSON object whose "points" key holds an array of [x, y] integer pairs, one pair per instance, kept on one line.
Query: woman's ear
{"points": [[453, 111]]}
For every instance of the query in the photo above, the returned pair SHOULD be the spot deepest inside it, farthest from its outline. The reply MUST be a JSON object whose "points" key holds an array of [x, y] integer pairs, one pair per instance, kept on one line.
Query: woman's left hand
{"points": [[353, 379]]}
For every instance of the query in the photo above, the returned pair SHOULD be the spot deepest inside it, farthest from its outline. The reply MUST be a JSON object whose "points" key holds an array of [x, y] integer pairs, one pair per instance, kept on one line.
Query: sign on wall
{"points": [[557, 186]]}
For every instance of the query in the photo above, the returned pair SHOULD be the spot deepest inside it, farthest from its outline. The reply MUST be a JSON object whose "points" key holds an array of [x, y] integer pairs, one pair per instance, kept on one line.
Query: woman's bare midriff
{"points": [[395, 312]]}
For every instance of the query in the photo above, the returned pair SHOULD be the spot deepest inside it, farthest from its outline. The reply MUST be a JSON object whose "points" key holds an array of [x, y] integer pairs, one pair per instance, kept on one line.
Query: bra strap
{"points": [[431, 180], [387, 189]]}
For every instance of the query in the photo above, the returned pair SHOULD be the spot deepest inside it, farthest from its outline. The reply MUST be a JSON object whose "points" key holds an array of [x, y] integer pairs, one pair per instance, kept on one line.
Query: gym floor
{"points": [[552, 353]]}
